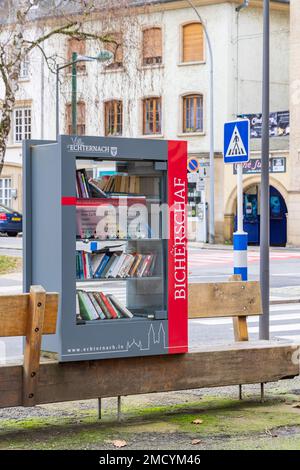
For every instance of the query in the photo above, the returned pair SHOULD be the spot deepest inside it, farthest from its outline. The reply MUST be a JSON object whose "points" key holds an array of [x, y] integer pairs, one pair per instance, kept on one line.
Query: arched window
{"points": [[192, 43], [193, 113], [152, 46], [113, 117]]}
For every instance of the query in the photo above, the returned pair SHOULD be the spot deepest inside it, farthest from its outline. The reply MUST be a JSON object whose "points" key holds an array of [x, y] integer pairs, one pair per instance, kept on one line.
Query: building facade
{"points": [[158, 86], [294, 175]]}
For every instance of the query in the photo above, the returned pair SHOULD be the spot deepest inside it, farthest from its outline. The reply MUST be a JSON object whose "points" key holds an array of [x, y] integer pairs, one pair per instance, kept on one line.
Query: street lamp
{"points": [[211, 131], [103, 56]]}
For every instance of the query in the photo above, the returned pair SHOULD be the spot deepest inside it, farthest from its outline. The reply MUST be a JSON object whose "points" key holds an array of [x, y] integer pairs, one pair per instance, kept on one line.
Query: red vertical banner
{"points": [[177, 248]]}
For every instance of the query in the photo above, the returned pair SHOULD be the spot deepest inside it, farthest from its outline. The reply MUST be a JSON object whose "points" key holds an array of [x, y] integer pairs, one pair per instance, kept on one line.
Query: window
{"points": [[79, 46], [152, 116], [192, 43], [22, 124], [152, 46], [193, 113], [24, 69], [113, 117], [5, 192], [80, 118], [116, 47]]}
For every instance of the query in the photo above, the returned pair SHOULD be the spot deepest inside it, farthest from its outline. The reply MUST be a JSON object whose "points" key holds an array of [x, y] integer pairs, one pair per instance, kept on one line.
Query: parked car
{"points": [[10, 221]]}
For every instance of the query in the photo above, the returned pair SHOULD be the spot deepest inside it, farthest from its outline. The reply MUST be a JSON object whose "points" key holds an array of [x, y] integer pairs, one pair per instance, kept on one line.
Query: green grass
{"points": [[227, 423], [9, 264]]}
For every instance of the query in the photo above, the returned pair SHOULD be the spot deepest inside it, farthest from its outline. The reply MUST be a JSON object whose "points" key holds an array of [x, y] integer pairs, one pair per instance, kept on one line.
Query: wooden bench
{"points": [[226, 299], [31, 315], [211, 365]]}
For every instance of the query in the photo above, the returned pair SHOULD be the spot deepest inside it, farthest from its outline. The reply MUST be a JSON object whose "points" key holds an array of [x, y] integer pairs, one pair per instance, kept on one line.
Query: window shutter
{"points": [[192, 47], [79, 46], [152, 45], [80, 118], [116, 48], [81, 112]]}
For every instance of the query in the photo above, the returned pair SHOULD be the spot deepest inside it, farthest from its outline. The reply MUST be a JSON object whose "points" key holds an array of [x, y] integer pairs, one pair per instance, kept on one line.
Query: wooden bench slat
{"points": [[14, 312], [33, 344], [224, 299], [214, 366]]}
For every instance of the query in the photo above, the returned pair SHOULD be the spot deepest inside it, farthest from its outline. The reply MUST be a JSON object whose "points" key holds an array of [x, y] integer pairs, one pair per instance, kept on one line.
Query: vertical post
{"points": [[264, 321], [262, 392], [99, 408], [240, 238], [42, 97], [74, 93], [240, 227], [211, 159], [35, 322], [119, 409], [57, 101]]}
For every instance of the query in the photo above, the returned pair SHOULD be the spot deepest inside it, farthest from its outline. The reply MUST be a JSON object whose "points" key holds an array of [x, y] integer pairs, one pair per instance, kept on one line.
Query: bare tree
{"points": [[21, 32]]}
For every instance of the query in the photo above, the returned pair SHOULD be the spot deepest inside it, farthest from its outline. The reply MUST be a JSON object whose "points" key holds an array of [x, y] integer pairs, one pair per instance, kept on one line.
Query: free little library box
{"points": [[105, 227]]}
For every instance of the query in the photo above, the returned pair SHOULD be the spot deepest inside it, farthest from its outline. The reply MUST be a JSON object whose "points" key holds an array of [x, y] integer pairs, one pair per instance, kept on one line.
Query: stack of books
{"points": [[87, 188], [113, 264], [120, 184], [98, 306], [105, 187]]}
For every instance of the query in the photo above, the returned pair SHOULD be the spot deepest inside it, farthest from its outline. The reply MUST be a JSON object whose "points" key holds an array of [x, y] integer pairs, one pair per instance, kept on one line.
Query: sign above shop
{"points": [[253, 166], [279, 124]]}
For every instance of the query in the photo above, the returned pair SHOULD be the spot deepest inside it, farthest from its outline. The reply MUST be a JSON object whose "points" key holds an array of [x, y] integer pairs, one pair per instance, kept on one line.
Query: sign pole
{"points": [[240, 238], [264, 321], [237, 150], [240, 198]]}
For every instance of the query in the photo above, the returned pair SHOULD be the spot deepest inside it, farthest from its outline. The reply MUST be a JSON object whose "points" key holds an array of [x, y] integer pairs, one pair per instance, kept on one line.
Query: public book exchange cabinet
{"points": [[105, 227]]}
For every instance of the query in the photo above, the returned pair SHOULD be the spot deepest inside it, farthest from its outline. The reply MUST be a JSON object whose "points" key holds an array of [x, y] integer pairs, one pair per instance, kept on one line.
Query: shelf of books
{"points": [[119, 258], [108, 232]]}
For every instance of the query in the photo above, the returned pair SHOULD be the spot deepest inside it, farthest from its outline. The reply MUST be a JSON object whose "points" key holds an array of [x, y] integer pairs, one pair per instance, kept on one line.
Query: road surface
{"points": [[207, 265]]}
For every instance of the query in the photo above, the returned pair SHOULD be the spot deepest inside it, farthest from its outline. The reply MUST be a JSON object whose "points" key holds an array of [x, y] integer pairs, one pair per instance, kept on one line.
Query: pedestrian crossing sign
{"points": [[236, 141]]}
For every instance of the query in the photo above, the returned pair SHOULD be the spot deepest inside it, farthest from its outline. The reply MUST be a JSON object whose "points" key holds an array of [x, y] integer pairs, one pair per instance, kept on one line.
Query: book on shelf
{"points": [[119, 306], [120, 183], [82, 187], [99, 306], [114, 264], [87, 187], [95, 188], [86, 308]]}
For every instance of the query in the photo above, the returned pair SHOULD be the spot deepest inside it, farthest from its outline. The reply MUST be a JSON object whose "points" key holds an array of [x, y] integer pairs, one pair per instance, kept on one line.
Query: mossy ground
{"points": [[227, 424], [9, 264]]}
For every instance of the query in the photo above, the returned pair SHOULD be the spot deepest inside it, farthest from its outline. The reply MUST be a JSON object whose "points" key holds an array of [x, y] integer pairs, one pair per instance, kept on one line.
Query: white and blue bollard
{"points": [[240, 244]]}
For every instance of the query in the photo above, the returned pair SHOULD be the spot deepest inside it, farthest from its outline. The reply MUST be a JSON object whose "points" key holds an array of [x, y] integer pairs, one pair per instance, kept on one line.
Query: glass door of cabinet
{"points": [[120, 251]]}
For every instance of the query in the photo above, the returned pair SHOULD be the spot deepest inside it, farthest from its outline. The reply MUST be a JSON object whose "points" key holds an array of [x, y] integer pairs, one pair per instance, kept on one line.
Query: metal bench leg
{"points": [[119, 409], [99, 408], [262, 392]]}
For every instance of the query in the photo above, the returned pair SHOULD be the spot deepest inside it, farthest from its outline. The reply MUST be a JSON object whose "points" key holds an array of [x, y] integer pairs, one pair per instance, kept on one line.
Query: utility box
{"points": [[105, 226]]}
